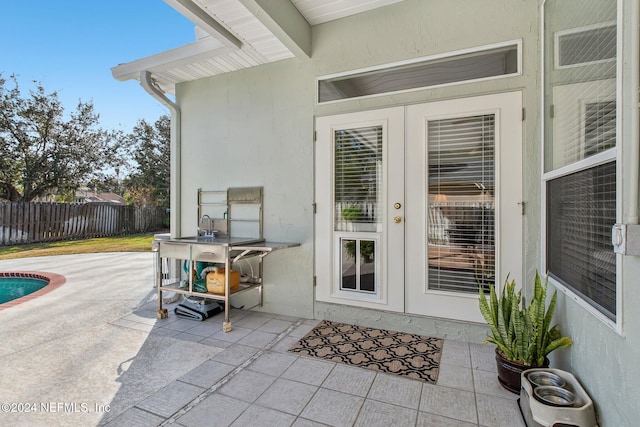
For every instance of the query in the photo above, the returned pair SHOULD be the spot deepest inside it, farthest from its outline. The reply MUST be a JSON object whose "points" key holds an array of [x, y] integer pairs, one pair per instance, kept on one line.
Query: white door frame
{"points": [[403, 248]]}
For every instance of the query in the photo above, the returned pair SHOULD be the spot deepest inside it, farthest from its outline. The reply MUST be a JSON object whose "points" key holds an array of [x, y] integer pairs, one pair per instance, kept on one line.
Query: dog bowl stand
{"points": [[537, 413]]}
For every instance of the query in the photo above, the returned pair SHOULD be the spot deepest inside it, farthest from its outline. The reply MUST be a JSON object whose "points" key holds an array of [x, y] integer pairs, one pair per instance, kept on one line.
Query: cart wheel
{"points": [[226, 326], [162, 313]]}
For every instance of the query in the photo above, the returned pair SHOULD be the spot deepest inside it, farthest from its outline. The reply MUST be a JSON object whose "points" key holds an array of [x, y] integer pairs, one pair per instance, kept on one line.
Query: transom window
{"points": [[455, 67]]}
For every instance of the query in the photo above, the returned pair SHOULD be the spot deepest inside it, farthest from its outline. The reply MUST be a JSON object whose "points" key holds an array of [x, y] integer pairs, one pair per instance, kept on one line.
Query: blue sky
{"points": [[70, 46]]}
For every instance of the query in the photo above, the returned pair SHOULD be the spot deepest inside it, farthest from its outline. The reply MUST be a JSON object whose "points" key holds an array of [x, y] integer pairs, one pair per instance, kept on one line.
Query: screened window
{"points": [[586, 45], [461, 237], [580, 148], [454, 68], [581, 208]]}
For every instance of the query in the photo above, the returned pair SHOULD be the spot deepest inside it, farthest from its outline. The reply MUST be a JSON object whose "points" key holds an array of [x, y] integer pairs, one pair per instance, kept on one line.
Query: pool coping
{"points": [[55, 281]]}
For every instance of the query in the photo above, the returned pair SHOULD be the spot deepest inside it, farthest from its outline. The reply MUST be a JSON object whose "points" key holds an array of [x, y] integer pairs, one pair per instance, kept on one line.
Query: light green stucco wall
{"points": [[255, 127]]}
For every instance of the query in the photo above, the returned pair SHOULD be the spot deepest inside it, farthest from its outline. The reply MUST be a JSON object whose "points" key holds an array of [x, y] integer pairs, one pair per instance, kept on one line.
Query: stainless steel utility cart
{"points": [[216, 244]]}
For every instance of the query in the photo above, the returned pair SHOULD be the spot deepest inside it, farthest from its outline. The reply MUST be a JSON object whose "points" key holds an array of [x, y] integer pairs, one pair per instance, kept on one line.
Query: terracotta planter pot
{"points": [[509, 373]]}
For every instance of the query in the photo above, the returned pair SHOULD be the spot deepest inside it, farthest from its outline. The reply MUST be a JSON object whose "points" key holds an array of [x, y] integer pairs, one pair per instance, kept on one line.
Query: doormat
{"points": [[409, 355]]}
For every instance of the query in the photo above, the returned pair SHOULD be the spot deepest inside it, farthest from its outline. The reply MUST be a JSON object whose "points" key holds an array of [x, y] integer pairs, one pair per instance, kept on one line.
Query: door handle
{"points": [[397, 219]]}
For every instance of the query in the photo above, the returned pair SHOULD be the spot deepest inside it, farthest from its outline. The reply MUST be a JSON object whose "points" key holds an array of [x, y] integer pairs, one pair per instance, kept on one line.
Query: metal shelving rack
{"points": [[225, 247], [211, 202]]}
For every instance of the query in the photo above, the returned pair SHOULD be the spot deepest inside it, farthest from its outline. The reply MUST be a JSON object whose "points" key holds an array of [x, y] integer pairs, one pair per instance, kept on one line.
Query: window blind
{"points": [[461, 206], [599, 127], [357, 178]]}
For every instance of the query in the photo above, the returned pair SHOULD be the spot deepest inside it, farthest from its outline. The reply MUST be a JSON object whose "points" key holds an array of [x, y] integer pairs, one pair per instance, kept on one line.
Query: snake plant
{"points": [[522, 335]]}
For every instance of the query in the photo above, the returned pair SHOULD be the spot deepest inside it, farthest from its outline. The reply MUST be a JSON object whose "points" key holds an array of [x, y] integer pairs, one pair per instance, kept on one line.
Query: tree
{"points": [[43, 152], [150, 149]]}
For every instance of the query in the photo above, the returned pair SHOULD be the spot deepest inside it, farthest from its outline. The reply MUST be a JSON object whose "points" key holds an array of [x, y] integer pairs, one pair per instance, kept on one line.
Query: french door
{"points": [[418, 206], [464, 222], [360, 209]]}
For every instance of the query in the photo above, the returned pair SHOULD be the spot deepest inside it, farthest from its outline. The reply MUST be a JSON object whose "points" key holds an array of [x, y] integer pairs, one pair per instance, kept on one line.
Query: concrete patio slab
{"points": [[79, 348], [92, 352]]}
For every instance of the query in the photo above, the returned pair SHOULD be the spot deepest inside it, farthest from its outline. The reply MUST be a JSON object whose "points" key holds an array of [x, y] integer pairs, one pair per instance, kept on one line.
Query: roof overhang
{"points": [[240, 34], [163, 66]]}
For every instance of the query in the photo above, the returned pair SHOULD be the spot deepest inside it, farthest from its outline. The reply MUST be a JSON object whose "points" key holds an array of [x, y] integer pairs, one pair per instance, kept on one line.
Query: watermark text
{"points": [[53, 407]]}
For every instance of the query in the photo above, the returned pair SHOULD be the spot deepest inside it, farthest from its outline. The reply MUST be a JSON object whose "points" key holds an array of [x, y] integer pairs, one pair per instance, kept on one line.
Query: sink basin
{"points": [[222, 240], [198, 238]]}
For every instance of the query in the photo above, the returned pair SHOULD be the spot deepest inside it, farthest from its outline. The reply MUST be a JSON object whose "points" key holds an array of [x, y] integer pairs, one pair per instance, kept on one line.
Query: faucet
{"points": [[208, 232]]}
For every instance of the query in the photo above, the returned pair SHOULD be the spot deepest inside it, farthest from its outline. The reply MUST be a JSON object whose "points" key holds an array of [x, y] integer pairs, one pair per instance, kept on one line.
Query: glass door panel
{"points": [[358, 265], [460, 203], [357, 179]]}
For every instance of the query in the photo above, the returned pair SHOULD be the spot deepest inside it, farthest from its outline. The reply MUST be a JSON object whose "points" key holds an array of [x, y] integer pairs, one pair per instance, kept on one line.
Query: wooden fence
{"points": [[22, 222]]}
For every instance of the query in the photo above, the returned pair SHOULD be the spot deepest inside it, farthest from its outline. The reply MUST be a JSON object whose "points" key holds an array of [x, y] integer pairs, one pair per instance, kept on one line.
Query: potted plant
{"points": [[351, 213], [523, 334]]}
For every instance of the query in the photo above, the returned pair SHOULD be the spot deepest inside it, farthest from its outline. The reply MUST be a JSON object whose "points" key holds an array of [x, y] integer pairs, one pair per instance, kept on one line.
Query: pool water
{"points": [[16, 287]]}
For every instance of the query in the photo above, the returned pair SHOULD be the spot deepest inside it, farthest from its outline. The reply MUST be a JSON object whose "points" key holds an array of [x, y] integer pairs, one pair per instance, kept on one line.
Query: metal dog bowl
{"points": [[542, 378], [555, 396]]}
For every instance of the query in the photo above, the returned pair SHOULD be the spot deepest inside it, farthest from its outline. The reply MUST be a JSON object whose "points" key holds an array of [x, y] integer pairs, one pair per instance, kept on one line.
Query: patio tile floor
{"points": [[187, 373], [254, 381]]}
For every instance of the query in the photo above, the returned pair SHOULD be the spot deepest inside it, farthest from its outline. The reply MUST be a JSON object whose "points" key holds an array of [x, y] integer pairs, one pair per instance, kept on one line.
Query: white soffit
{"points": [[320, 11], [210, 56], [237, 39]]}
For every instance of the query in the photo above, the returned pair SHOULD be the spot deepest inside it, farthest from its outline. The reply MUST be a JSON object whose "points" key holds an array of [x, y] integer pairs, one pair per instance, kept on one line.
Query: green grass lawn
{"points": [[133, 243]]}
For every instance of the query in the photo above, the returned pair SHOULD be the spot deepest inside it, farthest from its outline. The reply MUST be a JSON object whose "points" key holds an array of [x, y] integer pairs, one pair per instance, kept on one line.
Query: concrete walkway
{"points": [[93, 353]]}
